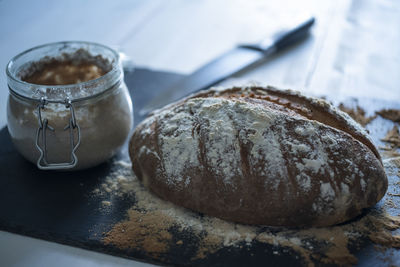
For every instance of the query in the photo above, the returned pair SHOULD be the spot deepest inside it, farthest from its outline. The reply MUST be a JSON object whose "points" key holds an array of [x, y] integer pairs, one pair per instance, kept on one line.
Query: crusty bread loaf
{"points": [[259, 156]]}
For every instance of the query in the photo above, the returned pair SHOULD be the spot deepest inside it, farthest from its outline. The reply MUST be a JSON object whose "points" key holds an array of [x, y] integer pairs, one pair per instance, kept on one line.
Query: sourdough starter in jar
{"points": [[91, 77]]}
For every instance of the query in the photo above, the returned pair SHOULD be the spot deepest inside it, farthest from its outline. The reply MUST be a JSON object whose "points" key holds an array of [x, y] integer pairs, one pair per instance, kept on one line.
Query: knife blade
{"points": [[227, 65]]}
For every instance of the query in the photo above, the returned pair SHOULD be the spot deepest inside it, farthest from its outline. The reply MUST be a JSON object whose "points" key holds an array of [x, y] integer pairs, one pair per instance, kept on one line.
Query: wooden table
{"points": [[353, 51]]}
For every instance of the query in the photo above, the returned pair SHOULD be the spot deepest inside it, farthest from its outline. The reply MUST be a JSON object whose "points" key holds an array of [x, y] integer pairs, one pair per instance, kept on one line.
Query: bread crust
{"points": [[259, 156]]}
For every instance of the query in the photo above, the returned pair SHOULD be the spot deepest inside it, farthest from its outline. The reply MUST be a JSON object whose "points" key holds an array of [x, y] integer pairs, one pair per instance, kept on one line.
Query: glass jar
{"points": [[72, 126]]}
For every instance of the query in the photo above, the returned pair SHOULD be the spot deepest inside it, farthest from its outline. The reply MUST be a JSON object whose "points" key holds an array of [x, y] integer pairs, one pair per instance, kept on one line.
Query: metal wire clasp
{"points": [[42, 162]]}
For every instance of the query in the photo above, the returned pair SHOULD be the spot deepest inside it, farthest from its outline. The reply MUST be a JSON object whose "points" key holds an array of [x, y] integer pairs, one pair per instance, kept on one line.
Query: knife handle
{"points": [[287, 38], [294, 35]]}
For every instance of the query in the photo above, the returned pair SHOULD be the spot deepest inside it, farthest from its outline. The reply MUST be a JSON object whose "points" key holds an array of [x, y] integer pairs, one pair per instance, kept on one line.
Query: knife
{"points": [[228, 64]]}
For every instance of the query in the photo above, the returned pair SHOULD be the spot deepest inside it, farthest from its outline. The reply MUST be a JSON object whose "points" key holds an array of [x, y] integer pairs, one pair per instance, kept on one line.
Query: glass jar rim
{"points": [[108, 80]]}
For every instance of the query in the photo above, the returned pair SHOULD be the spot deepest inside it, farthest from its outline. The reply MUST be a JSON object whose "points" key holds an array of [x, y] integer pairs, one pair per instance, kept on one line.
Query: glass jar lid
{"points": [[26, 62]]}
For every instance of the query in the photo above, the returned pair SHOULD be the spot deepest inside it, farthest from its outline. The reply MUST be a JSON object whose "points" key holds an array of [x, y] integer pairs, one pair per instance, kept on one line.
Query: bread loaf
{"points": [[259, 156]]}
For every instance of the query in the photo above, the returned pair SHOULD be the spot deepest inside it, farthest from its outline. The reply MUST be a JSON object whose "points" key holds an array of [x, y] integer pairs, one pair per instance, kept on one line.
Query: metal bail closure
{"points": [[42, 162]]}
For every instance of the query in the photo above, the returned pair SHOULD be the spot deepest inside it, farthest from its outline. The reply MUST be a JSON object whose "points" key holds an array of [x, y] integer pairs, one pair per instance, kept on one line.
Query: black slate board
{"points": [[59, 206]]}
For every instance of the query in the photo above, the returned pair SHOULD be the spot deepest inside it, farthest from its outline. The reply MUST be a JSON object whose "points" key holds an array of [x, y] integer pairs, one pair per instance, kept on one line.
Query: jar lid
{"points": [[104, 56]]}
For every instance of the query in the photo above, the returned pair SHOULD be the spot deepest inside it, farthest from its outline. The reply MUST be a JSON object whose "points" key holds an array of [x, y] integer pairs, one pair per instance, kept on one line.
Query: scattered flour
{"points": [[150, 220]]}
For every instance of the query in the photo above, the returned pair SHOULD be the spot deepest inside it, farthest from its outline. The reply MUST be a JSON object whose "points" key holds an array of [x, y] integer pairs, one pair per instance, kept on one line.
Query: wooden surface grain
{"points": [[353, 50]]}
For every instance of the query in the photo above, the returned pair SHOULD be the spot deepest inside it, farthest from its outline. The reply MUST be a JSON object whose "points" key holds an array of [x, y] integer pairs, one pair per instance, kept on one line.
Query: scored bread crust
{"points": [[259, 155]]}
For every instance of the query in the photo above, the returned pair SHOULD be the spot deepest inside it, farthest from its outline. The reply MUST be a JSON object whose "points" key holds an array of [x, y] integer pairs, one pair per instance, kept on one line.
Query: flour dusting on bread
{"points": [[250, 152]]}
